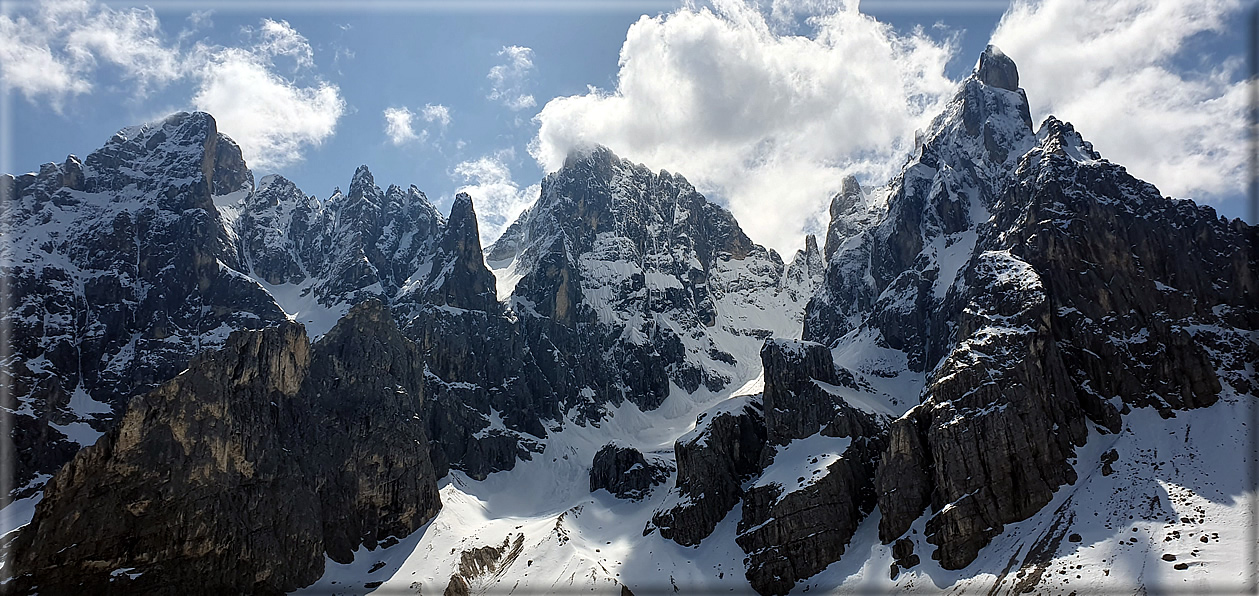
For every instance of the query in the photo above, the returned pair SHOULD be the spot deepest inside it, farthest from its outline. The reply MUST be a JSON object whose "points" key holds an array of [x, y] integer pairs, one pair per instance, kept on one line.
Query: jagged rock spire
{"points": [[459, 276], [997, 70]]}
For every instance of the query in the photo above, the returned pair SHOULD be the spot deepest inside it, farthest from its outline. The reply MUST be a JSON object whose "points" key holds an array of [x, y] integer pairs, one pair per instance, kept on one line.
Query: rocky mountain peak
{"points": [[1060, 138], [589, 156], [810, 245], [272, 190], [183, 146], [459, 277], [362, 184], [996, 69]]}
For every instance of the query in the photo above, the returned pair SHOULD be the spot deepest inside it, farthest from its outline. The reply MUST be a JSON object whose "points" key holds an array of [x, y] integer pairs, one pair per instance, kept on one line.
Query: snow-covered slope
{"points": [[1082, 541]]}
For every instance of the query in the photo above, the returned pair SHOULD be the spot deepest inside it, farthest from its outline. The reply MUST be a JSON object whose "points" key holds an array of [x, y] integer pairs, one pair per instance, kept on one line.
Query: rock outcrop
{"points": [[793, 527], [242, 472], [713, 460], [458, 276], [1000, 420], [624, 472]]}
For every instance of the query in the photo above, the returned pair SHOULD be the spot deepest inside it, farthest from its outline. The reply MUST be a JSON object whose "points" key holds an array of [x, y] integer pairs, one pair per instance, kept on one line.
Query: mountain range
{"points": [[1013, 367]]}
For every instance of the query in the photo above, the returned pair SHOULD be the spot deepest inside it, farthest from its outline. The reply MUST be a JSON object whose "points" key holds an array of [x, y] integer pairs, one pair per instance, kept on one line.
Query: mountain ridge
{"points": [[935, 382]]}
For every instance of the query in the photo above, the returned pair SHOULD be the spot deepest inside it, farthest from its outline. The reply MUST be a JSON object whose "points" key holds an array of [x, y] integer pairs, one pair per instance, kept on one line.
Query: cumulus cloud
{"points": [[272, 117], [751, 113], [498, 199], [507, 80], [53, 52], [1115, 70], [399, 125]]}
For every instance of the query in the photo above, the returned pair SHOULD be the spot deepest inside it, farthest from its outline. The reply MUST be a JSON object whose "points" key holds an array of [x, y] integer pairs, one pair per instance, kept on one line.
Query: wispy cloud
{"points": [[1113, 69], [499, 200], [53, 53], [436, 113], [507, 80], [755, 112], [400, 127]]}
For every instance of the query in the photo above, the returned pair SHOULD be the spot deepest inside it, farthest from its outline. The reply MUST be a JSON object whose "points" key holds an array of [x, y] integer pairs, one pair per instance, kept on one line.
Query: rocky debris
{"points": [[478, 565], [241, 473], [903, 556], [713, 461], [624, 472], [1108, 458], [791, 533]]}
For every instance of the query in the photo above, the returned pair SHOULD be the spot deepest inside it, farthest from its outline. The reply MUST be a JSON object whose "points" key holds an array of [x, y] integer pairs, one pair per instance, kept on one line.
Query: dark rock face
{"points": [[117, 270], [624, 472], [793, 532], [713, 462], [789, 536], [1036, 306], [997, 70], [1000, 415], [238, 475], [459, 277], [800, 398]]}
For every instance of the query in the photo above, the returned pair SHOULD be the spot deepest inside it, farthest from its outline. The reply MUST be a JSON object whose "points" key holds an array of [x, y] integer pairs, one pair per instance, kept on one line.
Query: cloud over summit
{"points": [[767, 119]]}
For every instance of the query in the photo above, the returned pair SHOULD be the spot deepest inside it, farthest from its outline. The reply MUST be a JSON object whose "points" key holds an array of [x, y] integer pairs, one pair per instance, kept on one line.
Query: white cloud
{"points": [[28, 64], [436, 113], [278, 38], [507, 80], [52, 53], [55, 51], [399, 122], [767, 120], [498, 199], [398, 126], [1107, 67], [272, 117]]}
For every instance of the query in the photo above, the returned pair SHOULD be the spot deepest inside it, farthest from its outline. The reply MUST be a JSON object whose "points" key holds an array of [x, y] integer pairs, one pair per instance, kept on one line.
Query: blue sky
{"points": [[764, 107]]}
